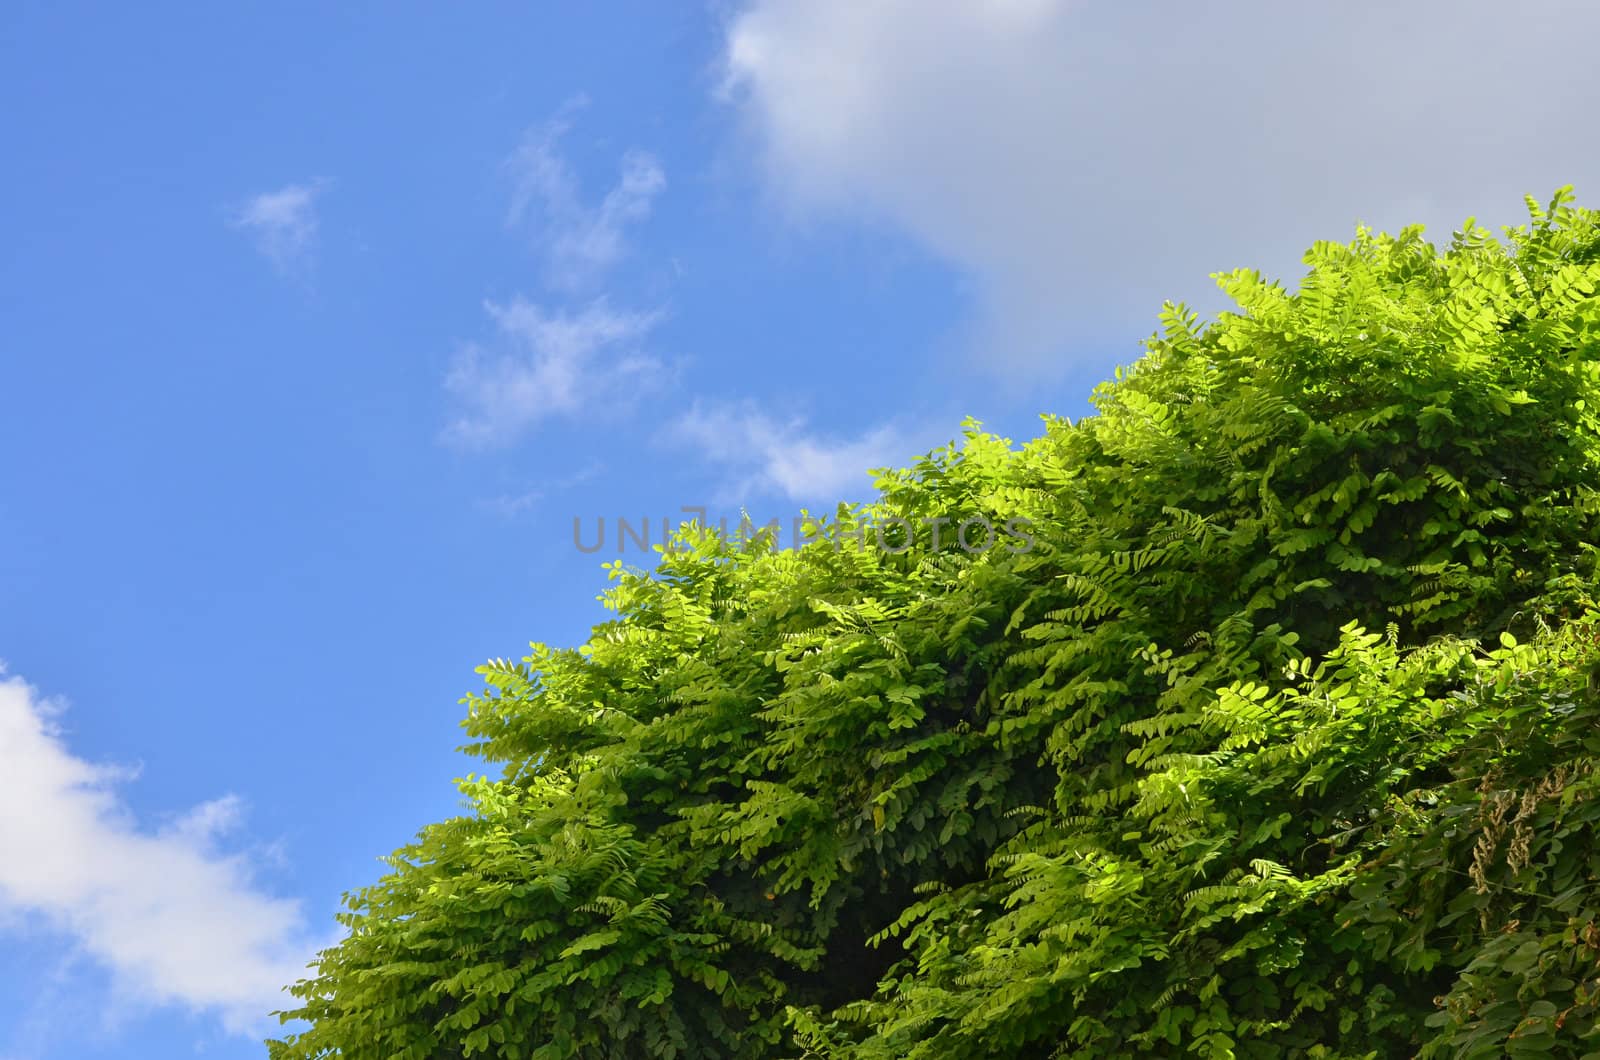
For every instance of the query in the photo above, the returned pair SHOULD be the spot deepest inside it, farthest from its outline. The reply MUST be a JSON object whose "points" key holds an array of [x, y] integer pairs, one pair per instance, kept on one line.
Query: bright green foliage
{"points": [[1145, 788]]}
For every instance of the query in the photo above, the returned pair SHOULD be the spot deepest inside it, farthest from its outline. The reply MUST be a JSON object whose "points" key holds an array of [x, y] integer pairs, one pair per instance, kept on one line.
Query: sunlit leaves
{"points": [[1281, 729]]}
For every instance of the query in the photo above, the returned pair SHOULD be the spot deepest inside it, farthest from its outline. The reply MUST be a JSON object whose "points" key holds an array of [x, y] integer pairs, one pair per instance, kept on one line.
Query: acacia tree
{"points": [[1145, 787]]}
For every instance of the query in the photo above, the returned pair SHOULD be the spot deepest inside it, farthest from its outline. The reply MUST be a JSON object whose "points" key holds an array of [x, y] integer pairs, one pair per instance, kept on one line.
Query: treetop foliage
{"points": [[1278, 741]]}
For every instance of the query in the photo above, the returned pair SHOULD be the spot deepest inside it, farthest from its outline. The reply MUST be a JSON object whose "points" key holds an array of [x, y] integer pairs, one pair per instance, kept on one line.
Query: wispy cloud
{"points": [[555, 358], [767, 456], [172, 916], [546, 363], [512, 504], [579, 240], [282, 224]]}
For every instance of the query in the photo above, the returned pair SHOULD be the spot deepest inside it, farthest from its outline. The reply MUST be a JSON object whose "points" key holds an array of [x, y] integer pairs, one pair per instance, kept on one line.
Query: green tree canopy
{"points": [[1277, 739]]}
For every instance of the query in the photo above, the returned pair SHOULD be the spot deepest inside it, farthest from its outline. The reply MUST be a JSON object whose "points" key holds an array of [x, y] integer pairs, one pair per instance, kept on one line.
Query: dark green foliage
{"points": [[1145, 788]]}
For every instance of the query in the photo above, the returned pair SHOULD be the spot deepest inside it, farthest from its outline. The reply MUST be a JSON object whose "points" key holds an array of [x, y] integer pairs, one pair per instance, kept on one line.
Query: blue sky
{"points": [[320, 324]]}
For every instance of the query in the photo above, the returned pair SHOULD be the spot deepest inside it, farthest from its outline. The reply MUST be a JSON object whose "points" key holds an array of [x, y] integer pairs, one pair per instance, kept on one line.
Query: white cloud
{"points": [[546, 363], [579, 241], [282, 223], [170, 915], [1084, 161], [771, 456]]}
